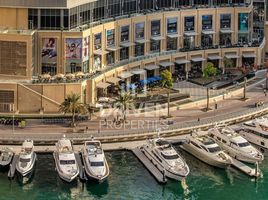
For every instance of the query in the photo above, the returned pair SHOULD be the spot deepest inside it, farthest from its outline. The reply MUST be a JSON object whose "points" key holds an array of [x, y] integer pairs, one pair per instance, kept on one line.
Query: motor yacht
{"points": [[27, 158], [163, 154], [6, 155], [206, 149], [235, 145], [66, 163], [96, 166]]}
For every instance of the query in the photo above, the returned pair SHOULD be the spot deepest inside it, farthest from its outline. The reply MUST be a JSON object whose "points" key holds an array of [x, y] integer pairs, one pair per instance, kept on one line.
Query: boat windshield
{"points": [[214, 149], [97, 164], [170, 157], [67, 162], [25, 160], [244, 144]]}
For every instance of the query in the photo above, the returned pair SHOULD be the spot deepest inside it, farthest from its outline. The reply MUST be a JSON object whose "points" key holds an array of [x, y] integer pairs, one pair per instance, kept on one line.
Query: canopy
{"points": [[214, 57], [138, 71], [100, 52], [159, 37], [141, 40], [113, 48], [181, 61], [226, 31], [113, 80], [166, 64], [190, 33], [249, 55], [231, 55], [102, 85], [127, 44], [198, 59], [208, 32], [173, 35], [151, 67], [125, 75]]}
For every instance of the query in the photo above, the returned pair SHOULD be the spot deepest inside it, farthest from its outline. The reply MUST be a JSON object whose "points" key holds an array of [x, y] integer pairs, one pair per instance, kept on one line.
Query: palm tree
{"points": [[167, 82], [124, 101], [72, 105]]}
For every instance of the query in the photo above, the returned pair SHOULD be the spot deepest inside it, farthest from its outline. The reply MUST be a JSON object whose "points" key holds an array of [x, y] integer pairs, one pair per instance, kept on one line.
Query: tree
{"points": [[228, 63], [209, 70], [72, 105], [167, 83], [124, 101]]}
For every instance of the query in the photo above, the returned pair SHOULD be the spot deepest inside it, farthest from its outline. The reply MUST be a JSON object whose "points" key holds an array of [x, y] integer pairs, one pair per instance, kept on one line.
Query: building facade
{"points": [[124, 40]]}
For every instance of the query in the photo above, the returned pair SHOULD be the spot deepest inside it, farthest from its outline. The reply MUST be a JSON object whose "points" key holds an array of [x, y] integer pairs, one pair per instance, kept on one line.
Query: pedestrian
{"points": [[198, 119], [105, 120]]}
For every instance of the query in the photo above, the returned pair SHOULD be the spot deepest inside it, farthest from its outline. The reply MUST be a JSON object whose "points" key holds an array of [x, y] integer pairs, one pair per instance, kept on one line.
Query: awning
{"points": [[113, 48], [231, 55], [226, 31], [181, 61], [192, 33], [156, 38], [249, 55], [208, 32], [127, 44], [125, 75], [214, 57], [100, 52], [151, 67], [173, 35], [102, 85], [138, 71], [198, 59], [113, 80], [166, 64], [141, 41]]}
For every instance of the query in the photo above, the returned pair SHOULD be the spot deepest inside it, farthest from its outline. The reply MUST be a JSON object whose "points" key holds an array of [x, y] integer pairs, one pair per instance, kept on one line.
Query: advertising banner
{"points": [[243, 21], [49, 50], [85, 48], [73, 48], [189, 23]]}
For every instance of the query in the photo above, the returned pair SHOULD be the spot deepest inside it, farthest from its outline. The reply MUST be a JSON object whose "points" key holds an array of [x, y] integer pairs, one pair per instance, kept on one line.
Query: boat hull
{"points": [[203, 157], [29, 171], [63, 176]]}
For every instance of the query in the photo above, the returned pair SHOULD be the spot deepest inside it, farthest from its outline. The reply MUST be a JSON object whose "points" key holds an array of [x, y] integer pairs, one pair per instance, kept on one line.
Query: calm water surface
{"points": [[130, 180]]}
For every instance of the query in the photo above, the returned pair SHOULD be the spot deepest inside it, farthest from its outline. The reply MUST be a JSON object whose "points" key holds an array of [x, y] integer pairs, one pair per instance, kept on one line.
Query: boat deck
{"points": [[245, 168], [151, 167], [12, 169]]}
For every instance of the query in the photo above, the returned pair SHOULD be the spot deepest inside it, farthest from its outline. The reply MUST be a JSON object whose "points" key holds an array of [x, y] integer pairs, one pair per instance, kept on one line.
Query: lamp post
{"points": [[245, 87], [13, 118], [207, 98]]}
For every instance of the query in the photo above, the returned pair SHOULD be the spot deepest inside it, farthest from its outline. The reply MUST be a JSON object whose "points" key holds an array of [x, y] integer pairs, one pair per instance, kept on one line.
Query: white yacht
{"points": [[6, 155], [96, 166], [235, 145], [162, 153], [27, 158], [256, 131], [66, 163], [206, 149]]}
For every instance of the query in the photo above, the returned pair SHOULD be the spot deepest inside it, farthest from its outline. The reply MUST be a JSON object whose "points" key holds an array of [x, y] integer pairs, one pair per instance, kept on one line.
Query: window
{"points": [[32, 18], [25, 160], [189, 23], [172, 25], [110, 37], [139, 49], [244, 144], [155, 46], [124, 53], [225, 21], [97, 164], [110, 58], [243, 22], [214, 149], [124, 33], [50, 19], [139, 30], [171, 43], [97, 41], [155, 27], [206, 22], [170, 157], [67, 162]]}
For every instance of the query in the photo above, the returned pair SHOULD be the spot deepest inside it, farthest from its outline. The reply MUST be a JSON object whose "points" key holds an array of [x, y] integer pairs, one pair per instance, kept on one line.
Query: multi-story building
{"points": [[117, 40]]}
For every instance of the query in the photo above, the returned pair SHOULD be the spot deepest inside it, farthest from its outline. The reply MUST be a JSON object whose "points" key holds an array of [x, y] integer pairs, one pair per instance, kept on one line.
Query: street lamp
{"points": [[13, 118]]}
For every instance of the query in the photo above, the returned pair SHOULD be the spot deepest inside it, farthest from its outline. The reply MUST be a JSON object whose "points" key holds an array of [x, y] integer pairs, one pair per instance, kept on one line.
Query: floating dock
{"points": [[245, 168], [151, 167], [12, 169], [82, 174]]}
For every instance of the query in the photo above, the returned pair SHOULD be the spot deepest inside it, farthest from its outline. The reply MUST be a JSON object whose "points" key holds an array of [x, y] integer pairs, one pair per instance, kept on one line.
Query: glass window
{"points": [[155, 27], [171, 43], [172, 25], [97, 62], [139, 49], [97, 41], [110, 37], [124, 33], [225, 21], [189, 23], [67, 162], [170, 157], [244, 144], [124, 53], [97, 164], [206, 22], [139, 30], [110, 58], [243, 22], [155, 46], [214, 149]]}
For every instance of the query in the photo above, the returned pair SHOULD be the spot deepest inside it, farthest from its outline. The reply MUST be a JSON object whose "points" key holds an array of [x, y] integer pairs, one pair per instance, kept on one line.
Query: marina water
{"points": [[129, 180]]}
